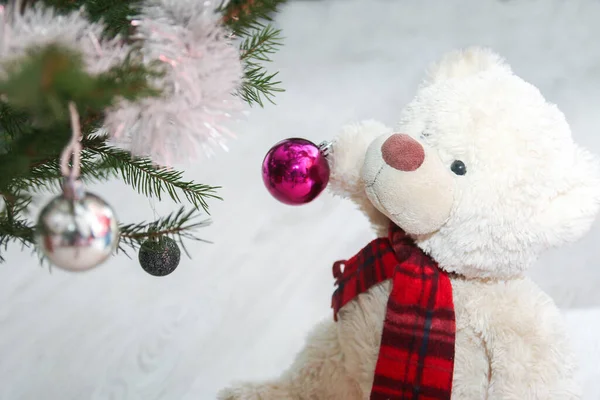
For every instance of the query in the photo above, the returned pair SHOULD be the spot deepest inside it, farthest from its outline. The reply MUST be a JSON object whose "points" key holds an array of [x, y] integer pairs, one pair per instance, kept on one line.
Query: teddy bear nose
{"points": [[402, 152]]}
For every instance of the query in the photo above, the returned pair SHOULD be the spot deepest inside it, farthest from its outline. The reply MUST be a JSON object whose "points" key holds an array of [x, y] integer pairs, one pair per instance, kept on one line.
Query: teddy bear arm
{"points": [[347, 157], [529, 354]]}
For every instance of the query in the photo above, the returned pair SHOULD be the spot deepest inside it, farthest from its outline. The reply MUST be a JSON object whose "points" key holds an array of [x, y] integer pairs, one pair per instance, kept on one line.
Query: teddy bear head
{"points": [[482, 171]]}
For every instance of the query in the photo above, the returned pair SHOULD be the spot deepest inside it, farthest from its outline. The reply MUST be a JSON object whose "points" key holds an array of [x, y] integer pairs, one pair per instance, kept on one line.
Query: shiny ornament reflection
{"points": [[77, 231], [295, 171]]}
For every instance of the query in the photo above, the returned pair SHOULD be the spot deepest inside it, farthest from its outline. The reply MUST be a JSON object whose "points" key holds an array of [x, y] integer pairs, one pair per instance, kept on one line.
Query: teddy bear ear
{"points": [[570, 214], [348, 156], [464, 63]]}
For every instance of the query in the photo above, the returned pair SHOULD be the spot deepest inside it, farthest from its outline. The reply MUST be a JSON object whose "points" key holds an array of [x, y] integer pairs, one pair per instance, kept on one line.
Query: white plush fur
{"points": [[350, 149], [528, 187]]}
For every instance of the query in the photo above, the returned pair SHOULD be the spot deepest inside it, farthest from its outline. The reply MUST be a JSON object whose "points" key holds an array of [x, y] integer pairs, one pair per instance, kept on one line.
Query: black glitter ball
{"points": [[159, 257]]}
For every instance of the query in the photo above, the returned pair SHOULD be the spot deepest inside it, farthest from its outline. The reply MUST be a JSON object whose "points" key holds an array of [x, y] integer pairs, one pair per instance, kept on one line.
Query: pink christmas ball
{"points": [[295, 171]]}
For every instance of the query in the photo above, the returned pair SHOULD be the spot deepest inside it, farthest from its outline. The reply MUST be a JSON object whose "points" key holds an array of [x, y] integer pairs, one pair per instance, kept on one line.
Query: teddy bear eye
{"points": [[458, 167]]}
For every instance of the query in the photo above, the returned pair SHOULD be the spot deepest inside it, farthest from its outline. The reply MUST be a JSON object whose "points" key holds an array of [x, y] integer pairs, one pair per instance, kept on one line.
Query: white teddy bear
{"points": [[481, 176]]}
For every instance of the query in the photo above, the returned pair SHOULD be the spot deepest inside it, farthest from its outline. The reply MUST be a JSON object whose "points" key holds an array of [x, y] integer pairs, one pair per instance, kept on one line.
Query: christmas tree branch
{"points": [[18, 230], [261, 45], [244, 15], [150, 180], [11, 125], [114, 13], [34, 123], [45, 176], [43, 82], [179, 224], [40, 85], [100, 162], [258, 82], [13, 229], [259, 40]]}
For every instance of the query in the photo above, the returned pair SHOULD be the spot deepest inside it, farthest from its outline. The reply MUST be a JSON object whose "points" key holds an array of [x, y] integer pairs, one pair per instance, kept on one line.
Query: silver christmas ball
{"points": [[77, 230]]}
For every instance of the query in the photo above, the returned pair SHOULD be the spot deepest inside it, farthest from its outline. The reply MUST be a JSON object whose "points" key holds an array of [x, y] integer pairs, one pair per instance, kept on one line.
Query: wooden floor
{"points": [[241, 307]]}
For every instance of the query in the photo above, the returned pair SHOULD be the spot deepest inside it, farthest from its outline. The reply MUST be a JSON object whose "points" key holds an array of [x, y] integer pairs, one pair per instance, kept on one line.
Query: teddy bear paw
{"points": [[237, 393], [248, 391]]}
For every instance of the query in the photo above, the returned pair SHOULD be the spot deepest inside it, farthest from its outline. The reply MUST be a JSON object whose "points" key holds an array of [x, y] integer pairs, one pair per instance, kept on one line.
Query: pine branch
{"points": [[15, 230], [45, 176], [255, 49], [258, 83], [114, 13], [100, 162], [34, 124], [151, 180], [259, 46], [43, 82], [245, 15], [179, 225], [247, 19], [18, 230], [11, 125]]}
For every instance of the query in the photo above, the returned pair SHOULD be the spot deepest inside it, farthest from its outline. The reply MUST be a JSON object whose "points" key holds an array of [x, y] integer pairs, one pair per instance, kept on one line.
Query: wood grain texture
{"points": [[241, 307]]}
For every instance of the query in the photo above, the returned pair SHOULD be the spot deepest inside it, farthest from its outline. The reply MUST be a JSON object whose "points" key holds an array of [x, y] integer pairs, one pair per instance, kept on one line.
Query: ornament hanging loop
{"points": [[73, 149], [326, 148], [72, 187]]}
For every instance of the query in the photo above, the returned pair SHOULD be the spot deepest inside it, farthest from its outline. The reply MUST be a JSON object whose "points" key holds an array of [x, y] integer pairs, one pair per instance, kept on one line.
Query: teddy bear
{"points": [[479, 177]]}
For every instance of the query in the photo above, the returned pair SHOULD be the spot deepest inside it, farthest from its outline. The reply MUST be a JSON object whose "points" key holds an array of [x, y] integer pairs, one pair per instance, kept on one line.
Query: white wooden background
{"points": [[239, 309]]}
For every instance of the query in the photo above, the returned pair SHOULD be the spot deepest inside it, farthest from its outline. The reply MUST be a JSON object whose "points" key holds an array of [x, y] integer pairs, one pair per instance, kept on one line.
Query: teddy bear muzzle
{"points": [[407, 181]]}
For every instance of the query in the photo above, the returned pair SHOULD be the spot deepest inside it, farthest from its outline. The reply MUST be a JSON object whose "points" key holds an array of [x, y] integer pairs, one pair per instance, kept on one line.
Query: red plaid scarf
{"points": [[416, 357]]}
